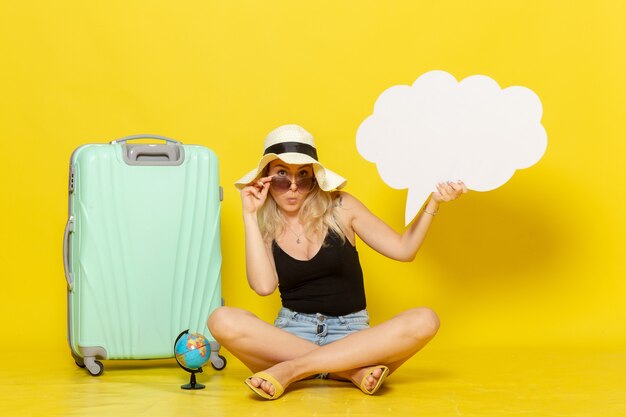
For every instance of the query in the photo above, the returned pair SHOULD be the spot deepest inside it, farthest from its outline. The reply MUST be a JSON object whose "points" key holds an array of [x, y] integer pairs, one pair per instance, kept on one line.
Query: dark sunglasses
{"points": [[282, 184]]}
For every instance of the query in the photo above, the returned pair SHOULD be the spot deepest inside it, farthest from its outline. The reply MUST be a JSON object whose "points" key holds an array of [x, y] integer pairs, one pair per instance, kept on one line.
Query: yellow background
{"points": [[538, 262]]}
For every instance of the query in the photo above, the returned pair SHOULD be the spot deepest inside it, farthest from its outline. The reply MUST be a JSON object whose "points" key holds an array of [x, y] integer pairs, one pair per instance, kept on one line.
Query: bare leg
{"points": [[260, 345], [256, 343], [390, 343]]}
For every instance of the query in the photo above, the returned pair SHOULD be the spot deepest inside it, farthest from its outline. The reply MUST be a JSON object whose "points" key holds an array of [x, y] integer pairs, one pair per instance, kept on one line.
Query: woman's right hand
{"points": [[253, 196]]}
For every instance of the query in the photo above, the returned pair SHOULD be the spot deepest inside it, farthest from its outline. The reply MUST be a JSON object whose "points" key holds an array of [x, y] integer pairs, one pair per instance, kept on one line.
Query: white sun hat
{"points": [[292, 144]]}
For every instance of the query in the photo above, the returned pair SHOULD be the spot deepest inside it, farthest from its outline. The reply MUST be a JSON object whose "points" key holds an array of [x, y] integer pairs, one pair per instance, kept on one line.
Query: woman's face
{"points": [[290, 184]]}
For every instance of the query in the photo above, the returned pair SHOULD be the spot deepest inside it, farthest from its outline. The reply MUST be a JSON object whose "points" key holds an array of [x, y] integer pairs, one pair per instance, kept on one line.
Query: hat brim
{"points": [[326, 179]]}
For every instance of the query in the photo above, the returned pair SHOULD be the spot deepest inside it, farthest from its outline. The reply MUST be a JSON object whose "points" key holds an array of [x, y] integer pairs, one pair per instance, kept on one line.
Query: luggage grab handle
{"points": [[142, 154], [69, 275], [145, 136]]}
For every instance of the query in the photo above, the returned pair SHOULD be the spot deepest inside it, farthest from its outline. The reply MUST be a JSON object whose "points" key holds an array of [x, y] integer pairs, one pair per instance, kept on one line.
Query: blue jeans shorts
{"points": [[321, 329]]}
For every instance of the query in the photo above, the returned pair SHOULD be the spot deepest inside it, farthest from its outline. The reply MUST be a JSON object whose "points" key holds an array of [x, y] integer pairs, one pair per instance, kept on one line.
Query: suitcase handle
{"points": [[69, 275], [171, 153], [145, 136]]}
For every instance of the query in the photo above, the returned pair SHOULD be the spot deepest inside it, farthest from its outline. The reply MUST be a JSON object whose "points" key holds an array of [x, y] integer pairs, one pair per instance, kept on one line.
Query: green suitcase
{"points": [[142, 250]]}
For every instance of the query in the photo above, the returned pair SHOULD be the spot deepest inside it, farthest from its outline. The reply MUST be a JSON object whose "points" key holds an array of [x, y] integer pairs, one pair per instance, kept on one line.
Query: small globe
{"points": [[192, 350]]}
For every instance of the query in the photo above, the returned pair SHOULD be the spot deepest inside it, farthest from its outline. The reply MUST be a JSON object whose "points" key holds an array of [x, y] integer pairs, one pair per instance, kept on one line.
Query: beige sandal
{"points": [[278, 388], [379, 383]]}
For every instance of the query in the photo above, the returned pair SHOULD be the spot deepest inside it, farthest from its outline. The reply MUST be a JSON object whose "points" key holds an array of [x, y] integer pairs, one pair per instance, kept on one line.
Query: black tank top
{"points": [[330, 283]]}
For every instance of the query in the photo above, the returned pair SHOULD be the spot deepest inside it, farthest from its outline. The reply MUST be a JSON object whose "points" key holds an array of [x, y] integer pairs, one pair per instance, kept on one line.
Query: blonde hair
{"points": [[318, 215]]}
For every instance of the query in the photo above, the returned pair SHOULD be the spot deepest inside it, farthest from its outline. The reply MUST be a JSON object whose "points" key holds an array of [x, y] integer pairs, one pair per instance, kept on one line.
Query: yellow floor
{"points": [[435, 383]]}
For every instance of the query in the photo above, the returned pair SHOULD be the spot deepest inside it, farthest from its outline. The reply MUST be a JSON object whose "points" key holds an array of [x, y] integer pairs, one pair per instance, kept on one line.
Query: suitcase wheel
{"points": [[95, 367], [78, 360], [218, 363]]}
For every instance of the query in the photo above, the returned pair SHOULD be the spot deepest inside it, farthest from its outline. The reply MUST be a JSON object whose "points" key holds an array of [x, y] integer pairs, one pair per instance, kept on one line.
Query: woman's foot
{"points": [[265, 385], [368, 379], [269, 384]]}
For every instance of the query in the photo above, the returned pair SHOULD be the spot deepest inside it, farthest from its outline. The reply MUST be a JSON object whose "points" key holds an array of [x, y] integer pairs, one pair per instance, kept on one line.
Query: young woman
{"points": [[299, 237]]}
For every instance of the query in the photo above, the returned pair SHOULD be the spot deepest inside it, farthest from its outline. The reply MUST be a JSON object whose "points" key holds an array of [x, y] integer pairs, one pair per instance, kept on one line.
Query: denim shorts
{"points": [[318, 328]]}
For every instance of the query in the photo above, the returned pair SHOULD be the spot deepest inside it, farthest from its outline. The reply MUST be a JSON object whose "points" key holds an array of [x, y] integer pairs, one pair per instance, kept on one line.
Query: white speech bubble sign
{"points": [[439, 129]]}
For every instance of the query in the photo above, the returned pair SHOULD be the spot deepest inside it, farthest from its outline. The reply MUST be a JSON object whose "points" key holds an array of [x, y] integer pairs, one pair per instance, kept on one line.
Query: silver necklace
{"points": [[295, 234]]}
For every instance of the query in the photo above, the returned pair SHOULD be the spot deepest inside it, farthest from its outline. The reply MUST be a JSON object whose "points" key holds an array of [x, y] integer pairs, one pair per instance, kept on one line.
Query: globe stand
{"points": [[192, 381]]}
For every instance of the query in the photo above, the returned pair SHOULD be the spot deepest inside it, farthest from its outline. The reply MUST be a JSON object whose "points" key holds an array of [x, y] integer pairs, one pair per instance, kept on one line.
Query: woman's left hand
{"points": [[448, 191]]}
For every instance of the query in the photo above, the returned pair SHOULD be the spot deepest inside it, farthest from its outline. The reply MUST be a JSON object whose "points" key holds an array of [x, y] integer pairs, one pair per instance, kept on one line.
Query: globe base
{"points": [[192, 383]]}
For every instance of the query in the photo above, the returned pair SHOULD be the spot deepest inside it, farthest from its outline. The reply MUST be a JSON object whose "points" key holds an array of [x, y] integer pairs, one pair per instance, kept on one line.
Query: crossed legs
{"points": [[288, 358]]}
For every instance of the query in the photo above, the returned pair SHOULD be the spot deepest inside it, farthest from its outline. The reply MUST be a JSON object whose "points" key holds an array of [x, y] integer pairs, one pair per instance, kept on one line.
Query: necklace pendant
{"points": [[298, 241]]}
